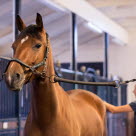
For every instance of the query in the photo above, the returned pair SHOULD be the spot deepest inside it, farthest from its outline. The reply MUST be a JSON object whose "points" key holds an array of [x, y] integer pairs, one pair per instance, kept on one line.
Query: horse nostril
{"points": [[17, 75]]}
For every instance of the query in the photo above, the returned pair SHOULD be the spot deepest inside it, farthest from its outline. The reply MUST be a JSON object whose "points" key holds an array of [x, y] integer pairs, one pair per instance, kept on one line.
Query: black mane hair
{"points": [[31, 30]]}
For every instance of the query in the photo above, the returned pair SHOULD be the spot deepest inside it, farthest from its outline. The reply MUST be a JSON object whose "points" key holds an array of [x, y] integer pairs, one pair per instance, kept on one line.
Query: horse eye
{"points": [[38, 46]]}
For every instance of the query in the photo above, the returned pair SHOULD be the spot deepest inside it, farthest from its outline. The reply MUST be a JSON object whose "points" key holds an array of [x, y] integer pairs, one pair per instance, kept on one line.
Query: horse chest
{"points": [[56, 128]]}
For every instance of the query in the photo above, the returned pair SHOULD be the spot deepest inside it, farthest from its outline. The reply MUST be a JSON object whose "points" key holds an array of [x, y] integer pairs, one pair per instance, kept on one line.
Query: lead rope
{"points": [[115, 83], [128, 81]]}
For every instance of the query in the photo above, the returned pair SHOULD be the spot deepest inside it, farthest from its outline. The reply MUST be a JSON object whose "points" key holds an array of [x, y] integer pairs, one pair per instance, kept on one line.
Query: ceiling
{"points": [[58, 23], [122, 12]]}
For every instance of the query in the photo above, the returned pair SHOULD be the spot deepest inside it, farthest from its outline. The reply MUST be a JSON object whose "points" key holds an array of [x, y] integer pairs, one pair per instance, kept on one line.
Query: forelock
{"points": [[31, 30]]}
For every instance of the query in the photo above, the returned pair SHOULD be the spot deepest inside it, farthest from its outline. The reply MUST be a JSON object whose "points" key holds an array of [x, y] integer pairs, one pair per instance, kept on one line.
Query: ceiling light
{"points": [[119, 42]]}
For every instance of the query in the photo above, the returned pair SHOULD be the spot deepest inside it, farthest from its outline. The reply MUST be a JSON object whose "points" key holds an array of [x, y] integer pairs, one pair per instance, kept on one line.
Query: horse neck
{"points": [[45, 102]]}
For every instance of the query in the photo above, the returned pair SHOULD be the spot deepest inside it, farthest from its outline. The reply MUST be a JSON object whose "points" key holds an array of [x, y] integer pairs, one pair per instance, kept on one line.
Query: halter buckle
{"points": [[51, 78]]}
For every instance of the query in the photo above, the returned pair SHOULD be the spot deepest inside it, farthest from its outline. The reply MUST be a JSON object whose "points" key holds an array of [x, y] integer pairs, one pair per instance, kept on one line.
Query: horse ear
{"points": [[39, 21], [20, 23]]}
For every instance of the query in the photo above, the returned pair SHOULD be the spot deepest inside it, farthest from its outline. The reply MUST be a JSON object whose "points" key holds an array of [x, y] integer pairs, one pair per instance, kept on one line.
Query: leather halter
{"points": [[32, 68]]}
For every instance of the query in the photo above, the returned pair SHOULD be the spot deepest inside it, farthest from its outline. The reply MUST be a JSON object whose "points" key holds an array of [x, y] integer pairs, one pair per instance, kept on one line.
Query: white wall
{"points": [[122, 63]]}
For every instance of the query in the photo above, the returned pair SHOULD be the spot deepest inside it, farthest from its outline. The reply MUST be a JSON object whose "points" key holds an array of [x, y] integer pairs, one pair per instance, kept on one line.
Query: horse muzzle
{"points": [[14, 81]]}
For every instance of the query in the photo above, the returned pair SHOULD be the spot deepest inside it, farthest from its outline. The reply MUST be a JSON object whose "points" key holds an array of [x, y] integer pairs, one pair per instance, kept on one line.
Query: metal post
{"points": [[74, 41], [16, 9], [106, 43]]}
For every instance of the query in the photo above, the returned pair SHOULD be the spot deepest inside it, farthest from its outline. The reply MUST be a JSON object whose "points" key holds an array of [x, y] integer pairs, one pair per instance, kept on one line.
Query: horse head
{"points": [[29, 48]]}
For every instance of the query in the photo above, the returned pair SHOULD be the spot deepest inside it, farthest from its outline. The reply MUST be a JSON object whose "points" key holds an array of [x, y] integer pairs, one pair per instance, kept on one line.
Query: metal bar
{"points": [[106, 45], [74, 41], [16, 10], [119, 96]]}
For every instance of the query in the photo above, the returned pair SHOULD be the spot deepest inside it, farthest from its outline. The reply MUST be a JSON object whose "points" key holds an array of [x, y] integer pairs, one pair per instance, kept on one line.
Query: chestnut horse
{"points": [[54, 112]]}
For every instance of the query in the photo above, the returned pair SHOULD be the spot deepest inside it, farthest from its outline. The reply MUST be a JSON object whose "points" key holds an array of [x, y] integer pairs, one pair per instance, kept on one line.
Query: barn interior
{"points": [[88, 37]]}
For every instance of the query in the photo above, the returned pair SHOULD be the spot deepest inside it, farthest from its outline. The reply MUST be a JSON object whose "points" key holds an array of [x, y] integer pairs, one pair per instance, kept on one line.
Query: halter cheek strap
{"points": [[32, 68]]}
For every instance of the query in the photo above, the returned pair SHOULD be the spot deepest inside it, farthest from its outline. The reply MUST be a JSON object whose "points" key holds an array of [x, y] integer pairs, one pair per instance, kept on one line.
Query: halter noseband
{"points": [[32, 68]]}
